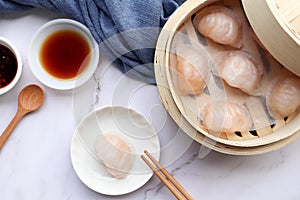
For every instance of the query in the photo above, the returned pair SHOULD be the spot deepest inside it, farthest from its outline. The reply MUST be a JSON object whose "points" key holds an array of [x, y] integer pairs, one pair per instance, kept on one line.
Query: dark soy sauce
{"points": [[8, 66]]}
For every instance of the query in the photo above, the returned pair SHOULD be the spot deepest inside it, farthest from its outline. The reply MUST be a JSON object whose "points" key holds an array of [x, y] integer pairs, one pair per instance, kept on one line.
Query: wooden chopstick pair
{"points": [[167, 179]]}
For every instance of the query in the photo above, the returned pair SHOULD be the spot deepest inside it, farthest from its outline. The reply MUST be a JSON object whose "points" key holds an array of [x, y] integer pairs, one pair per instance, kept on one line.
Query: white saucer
{"points": [[123, 120]]}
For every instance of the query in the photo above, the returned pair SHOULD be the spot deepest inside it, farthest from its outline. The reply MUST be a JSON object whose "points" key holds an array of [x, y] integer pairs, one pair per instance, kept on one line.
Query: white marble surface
{"points": [[35, 163]]}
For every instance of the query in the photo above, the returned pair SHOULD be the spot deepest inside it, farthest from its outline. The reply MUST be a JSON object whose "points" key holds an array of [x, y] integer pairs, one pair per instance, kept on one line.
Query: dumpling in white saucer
{"points": [[116, 152]]}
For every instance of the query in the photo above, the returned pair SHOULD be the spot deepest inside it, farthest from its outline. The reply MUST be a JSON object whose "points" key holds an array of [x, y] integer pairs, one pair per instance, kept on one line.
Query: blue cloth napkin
{"points": [[126, 30]]}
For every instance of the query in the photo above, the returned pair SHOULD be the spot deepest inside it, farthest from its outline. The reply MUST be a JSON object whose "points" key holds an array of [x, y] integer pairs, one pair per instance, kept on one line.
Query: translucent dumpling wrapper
{"points": [[116, 152], [191, 70], [239, 70], [225, 116], [283, 96], [220, 25]]}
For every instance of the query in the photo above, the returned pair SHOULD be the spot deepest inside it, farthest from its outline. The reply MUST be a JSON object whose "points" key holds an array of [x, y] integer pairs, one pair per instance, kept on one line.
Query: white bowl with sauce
{"points": [[10, 65], [63, 54]]}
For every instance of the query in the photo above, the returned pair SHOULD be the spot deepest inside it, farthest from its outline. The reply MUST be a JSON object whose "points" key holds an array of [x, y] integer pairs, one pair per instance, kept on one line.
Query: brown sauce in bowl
{"points": [[65, 54], [8, 66]]}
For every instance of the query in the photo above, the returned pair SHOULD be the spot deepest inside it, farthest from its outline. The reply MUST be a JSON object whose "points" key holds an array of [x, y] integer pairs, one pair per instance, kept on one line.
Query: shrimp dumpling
{"points": [[192, 72], [116, 152], [218, 24], [238, 70], [226, 116], [283, 96]]}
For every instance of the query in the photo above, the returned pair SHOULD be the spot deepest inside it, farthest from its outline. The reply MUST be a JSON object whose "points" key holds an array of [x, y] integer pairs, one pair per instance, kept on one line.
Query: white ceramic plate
{"points": [[39, 37], [132, 125]]}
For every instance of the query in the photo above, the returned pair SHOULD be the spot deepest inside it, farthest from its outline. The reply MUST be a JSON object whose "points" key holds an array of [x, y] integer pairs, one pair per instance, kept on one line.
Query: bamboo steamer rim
{"points": [[274, 33], [161, 62], [266, 139]]}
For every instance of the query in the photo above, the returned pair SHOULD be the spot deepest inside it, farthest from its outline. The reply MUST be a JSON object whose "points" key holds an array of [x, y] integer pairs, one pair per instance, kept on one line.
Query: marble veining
{"points": [[152, 192]]}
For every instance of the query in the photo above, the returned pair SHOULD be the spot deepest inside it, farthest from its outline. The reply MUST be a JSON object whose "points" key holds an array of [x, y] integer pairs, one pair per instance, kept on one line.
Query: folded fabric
{"points": [[126, 30]]}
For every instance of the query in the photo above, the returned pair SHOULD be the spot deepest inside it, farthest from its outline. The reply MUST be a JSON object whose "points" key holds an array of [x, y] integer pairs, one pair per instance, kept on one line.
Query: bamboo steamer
{"points": [[277, 25], [264, 140]]}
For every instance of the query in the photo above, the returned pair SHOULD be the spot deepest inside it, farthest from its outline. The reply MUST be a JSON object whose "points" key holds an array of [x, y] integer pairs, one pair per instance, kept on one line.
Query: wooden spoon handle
{"points": [[18, 116]]}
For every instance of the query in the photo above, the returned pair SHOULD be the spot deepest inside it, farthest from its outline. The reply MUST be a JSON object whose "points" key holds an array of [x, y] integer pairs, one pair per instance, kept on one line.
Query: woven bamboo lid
{"points": [[277, 25]]}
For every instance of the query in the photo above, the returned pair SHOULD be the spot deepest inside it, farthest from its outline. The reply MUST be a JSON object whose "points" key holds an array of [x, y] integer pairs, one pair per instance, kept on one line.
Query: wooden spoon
{"points": [[30, 99]]}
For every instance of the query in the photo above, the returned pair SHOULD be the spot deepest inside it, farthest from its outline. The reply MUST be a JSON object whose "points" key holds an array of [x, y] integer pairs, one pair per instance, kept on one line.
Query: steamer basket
{"points": [[264, 140]]}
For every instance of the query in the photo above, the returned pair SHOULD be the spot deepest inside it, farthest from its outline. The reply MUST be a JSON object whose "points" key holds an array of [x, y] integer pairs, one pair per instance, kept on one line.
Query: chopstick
{"points": [[167, 179]]}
